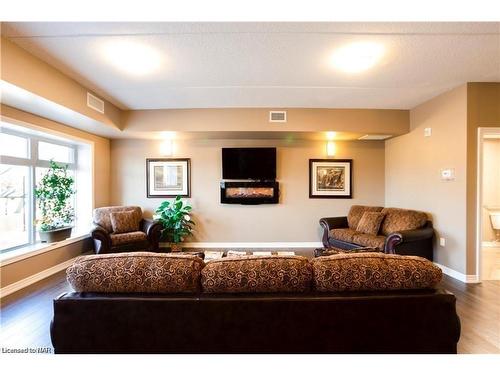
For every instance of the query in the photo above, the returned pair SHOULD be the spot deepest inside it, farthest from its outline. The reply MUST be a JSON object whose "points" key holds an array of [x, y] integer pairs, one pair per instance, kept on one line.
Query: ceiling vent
{"points": [[277, 116], [95, 103], [374, 137]]}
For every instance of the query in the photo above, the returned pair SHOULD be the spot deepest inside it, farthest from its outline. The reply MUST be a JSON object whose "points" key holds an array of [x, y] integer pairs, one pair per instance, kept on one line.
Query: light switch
{"points": [[442, 241], [427, 132], [447, 174]]}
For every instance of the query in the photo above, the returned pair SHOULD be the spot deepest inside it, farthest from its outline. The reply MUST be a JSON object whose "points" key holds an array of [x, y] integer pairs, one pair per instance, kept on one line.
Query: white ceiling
{"points": [[216, 65]]}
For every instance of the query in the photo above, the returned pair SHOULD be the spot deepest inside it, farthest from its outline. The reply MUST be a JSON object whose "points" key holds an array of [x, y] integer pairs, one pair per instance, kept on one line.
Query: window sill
{"points": [[29, 251]]}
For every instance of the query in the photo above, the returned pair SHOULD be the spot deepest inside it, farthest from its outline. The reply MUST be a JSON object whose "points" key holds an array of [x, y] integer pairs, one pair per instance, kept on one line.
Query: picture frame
{"points": [[330, 178], [168, 177]]}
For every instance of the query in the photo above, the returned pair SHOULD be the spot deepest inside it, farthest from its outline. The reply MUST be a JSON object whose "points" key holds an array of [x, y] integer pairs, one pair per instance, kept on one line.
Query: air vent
{"points": [[95, 103], [277, 116], [374, 137]]}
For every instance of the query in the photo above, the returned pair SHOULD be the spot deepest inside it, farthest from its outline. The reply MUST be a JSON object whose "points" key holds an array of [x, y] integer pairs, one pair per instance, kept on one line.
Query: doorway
{"points": [[488, 207]]}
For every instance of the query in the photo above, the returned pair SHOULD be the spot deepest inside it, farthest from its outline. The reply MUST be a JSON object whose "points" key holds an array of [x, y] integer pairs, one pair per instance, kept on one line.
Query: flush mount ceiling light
{"points": [[357, 57], [131, 57]]}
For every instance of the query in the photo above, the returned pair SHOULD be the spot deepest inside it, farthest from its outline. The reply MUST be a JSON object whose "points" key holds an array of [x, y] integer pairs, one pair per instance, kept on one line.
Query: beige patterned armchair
{"points": [[122, 229]]}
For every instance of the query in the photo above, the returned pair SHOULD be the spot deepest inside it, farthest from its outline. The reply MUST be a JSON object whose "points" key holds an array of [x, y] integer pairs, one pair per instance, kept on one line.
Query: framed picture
{"points": [[166, 178], [330, 178]]}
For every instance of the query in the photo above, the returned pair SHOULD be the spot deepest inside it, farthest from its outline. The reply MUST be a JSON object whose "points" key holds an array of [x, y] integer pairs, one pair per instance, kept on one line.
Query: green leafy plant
{"points": [[175, 218], [53, 194]]}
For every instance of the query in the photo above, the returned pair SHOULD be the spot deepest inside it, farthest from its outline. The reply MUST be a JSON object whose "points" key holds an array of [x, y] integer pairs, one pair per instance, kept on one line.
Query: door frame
{"points": [[482, 134]]}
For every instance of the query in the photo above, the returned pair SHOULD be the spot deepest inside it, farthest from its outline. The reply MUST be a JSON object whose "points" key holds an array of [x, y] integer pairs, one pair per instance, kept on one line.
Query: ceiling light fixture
{"points": [[131, 57], [357, 57]]}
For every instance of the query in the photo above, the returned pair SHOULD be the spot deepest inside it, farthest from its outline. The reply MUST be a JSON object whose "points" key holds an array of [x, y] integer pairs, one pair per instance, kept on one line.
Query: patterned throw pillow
{"points": [[370, 223], [124, 221]]}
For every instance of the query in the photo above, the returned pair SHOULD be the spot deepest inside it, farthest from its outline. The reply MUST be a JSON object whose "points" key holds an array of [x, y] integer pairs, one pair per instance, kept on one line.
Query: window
{"points": [[24, 158], [51, 151], [13, 146], [14, 211]]}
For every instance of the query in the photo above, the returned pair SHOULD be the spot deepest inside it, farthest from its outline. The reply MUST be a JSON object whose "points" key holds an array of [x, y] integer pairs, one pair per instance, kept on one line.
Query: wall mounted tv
{"points": [[249, 163]]}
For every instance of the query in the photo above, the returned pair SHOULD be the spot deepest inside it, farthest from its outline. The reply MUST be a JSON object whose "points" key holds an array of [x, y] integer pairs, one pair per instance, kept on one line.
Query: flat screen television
{"points": [[249, 163]]}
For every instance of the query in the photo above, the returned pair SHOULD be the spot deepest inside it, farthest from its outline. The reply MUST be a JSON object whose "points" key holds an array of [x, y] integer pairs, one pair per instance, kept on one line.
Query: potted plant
{"points": [[53, 194], [177, 224]]}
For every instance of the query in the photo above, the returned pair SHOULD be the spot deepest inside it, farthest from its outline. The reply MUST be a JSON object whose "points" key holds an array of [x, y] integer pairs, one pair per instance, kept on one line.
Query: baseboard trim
{"points": [[18, 285], [458, 275], [248, 245]]}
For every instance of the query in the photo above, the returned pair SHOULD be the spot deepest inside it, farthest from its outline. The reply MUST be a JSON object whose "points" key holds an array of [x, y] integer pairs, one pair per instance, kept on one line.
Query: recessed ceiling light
{"points": [[357, 57], [132, 57]]}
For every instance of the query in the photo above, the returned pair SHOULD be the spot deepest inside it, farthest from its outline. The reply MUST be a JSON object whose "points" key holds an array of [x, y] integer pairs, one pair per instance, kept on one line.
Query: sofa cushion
{"points": [[397, 219], [102, 218], [342, 234], [370, 222], [257, 274], [124, 221], [136, 272], [369, 240], [356, 212], [122, 238], [373, 271]]}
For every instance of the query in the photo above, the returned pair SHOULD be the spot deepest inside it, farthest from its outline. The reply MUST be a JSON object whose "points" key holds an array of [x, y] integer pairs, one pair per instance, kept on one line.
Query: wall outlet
{"points": [[442, 241], [427, 132]]}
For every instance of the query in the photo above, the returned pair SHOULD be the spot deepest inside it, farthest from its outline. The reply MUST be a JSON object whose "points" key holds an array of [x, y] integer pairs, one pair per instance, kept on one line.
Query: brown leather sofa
{"points": [[405, 232], [183, 306], [146, 237]]}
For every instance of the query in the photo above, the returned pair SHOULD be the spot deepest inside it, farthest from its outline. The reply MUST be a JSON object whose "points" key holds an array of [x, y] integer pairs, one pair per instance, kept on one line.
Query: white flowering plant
{"points": [[175, 218]]}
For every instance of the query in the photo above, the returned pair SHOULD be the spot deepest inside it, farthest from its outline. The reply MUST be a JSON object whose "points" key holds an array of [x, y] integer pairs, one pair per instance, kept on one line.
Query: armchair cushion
{"points": [[370, 222], [398, 219], [357, 211], [373, 271], [123, 238], [102, 215], [124, 221]]}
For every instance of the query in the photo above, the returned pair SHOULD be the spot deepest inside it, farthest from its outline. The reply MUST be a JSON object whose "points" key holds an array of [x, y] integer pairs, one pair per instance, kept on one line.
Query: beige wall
{"points": [[26, 71], [412, 168], [360, 121], [491, 184], [294, 219], [483, 110], [19, 270]]}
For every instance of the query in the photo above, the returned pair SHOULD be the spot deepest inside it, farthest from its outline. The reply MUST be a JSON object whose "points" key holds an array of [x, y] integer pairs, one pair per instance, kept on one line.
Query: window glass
{"points": [[51, 151], [39, 173], [11, 145], [14, 212]]}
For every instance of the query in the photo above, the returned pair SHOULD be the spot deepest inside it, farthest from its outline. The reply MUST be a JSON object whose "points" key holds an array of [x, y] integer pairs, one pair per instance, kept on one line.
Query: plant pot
{"points": [[175, 247], [55, 235]]}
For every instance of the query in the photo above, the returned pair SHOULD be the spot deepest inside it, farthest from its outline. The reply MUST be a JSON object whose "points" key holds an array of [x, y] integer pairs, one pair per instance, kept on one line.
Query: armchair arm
{"points": [[153, 229], [149, 225], [329, 223], [396, 238], [101, 239]]}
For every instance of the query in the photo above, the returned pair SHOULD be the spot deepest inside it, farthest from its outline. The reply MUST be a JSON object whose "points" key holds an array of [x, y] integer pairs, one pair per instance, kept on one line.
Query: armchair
{"points": [[146, 238]]}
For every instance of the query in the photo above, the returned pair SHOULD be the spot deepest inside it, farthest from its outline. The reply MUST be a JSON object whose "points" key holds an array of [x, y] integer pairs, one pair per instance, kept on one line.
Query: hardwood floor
{"points": [[25, 315]]}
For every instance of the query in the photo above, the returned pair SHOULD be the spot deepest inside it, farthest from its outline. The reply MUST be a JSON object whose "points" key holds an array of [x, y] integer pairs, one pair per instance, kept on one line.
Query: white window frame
{"points": [[33, 162]]}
